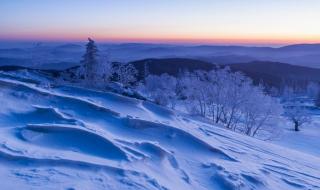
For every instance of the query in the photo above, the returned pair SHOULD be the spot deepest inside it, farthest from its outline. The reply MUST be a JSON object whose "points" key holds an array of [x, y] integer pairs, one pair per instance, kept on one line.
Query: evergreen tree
{"points": [[90, 61]]}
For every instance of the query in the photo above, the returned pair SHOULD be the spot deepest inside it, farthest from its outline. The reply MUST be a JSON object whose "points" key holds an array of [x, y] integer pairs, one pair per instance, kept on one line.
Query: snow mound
{"points": [[74, 138]]}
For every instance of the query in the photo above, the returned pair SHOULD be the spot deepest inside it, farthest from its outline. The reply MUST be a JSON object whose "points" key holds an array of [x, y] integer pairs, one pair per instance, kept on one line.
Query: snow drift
{"points": [[73, 138]]}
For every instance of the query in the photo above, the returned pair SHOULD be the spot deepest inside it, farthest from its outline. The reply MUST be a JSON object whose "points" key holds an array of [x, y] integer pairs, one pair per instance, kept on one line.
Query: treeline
{"points": [[276, 77], [97, 72], [226, 97]]}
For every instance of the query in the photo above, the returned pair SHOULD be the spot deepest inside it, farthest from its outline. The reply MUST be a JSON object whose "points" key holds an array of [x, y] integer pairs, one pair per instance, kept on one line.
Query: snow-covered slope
{"points": [[73, 138], [307, 140]]}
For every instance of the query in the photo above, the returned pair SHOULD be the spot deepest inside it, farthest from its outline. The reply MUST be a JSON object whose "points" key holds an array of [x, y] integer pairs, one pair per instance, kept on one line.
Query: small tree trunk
{"points": [[248, 131], [296, 126]]}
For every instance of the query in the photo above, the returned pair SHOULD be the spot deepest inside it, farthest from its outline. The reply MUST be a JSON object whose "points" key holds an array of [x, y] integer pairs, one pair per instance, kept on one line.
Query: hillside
{"points": [[171, 66], [275, 74], [73, 138], [271, 73]]}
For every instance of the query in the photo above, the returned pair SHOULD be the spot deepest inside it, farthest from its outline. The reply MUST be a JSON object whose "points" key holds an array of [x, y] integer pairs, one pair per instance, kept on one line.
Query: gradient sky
{"points": [[198, 21]]}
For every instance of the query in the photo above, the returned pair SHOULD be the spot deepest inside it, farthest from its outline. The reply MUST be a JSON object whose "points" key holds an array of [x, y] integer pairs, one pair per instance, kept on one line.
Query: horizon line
{"points": [[227, 42]]}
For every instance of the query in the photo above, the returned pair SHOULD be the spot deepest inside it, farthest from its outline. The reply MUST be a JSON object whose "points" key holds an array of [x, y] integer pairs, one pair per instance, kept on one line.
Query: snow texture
{"points": [[73, 138]]}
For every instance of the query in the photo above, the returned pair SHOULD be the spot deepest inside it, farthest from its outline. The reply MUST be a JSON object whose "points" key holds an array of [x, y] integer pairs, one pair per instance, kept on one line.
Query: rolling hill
{"points": [[271, 73], [67, 137]]}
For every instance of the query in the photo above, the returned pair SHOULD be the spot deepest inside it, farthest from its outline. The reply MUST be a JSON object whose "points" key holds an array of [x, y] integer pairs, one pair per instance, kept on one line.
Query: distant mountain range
{"points": [[307, 55], [273, 66]]}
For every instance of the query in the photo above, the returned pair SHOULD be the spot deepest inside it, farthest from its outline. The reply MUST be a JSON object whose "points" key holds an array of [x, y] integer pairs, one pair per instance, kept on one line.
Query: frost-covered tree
{"points": [[95, 69], [126, 74], [258, 110], [216, 101], [230, 90], [162, 89], [194, 90], [313, 89], [298, 115], [105, 70], [90, 64], [229, 98]]}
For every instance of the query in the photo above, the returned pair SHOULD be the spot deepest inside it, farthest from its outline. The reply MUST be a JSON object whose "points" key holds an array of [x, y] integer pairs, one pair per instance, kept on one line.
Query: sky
{"points": [[165, 21]]}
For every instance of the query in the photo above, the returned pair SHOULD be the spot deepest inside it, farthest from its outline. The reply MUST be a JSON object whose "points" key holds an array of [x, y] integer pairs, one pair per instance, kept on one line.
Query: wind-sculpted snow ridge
{"points": [[73, 138]]}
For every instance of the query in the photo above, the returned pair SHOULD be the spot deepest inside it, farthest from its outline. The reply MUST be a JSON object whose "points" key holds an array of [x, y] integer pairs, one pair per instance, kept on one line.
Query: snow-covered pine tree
{"points": [[90, 61]]}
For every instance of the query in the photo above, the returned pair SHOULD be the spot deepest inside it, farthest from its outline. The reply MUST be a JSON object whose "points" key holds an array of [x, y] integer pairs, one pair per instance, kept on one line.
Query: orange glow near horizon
{"points": [[272, 40], [170, 36]]}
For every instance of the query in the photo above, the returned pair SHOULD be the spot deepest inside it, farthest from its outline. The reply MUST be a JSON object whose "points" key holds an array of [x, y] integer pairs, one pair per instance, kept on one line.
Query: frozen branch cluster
{"points": [[227, 98], [96, 70]]}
